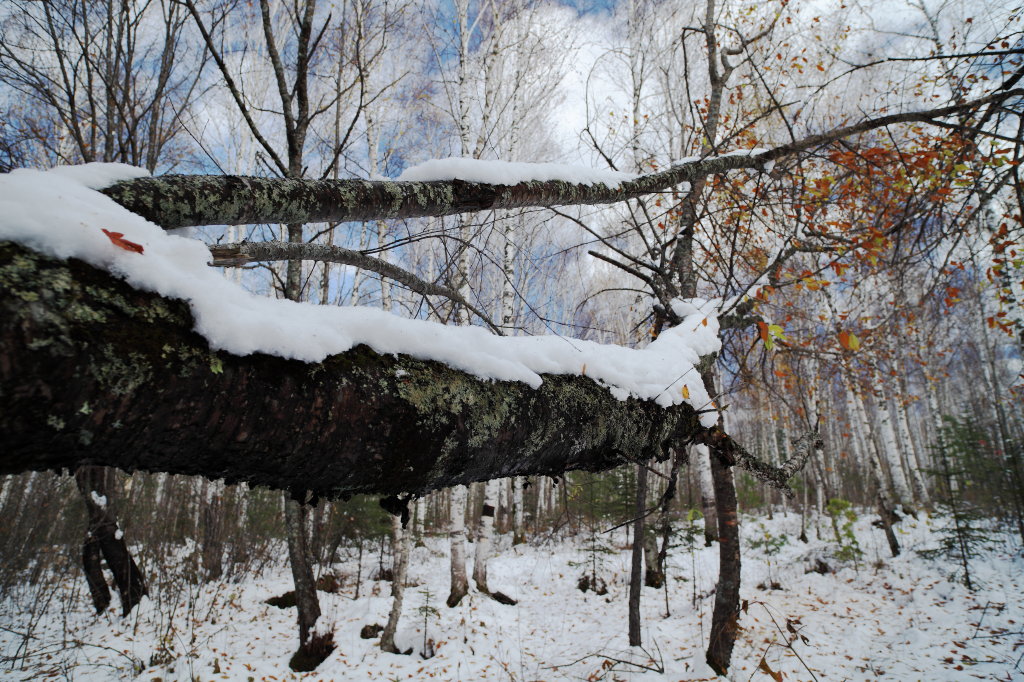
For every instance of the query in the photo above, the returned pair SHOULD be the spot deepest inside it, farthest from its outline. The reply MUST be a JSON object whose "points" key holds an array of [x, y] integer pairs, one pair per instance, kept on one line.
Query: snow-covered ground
{"points": [[897, 619]]}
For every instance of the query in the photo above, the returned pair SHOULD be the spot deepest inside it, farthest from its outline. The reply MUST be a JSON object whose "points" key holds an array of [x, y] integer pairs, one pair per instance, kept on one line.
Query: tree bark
{"points": [[885, 437], [400, 544], [457, 540], [93, 371], [314, 646], [104, 537], [518, 517], [724, 620], [485, 536], [885, 518], [706, 485], [173, 201], [653, 575], [636, 576], [92, 558], [656, 570], [213, 532], [180, 200]]}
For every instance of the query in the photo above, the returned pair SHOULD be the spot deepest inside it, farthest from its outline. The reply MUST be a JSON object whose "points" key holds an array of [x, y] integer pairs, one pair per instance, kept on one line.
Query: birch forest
{"points": [[820, 201]]}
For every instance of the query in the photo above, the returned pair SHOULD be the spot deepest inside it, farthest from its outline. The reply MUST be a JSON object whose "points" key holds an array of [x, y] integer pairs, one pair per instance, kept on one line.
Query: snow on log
{"points": [[93, 371], [119, 346], [173, 201], [60, 214]]}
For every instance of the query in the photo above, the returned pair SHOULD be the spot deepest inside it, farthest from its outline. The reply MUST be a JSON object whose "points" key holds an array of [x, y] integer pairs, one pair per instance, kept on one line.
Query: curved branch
{"points": [[625, 268], [229, 82], [234, 255], [734, 454]]}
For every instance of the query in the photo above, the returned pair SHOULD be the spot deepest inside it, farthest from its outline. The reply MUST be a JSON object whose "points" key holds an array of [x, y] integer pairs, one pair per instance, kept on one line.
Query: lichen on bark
{"points": [[160, 399]]}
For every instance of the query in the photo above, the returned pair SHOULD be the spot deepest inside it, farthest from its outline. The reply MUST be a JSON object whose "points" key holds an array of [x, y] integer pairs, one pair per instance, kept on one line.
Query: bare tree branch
{"points": [[229, 82], [179, 200], [234, 255], [735, 454]]}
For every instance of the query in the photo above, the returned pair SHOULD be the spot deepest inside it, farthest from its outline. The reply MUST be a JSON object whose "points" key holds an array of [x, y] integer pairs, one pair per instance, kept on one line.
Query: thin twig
{"points": [[241, 253]]}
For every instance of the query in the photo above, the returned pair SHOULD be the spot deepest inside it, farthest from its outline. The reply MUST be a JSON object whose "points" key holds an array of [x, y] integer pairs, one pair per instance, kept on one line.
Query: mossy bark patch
{"points": [[181, 200], [93, 371]]}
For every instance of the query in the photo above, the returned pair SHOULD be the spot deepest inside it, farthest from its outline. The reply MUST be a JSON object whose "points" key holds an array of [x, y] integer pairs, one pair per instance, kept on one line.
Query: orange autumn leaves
{"points": [[849, 341], [768, 333], [118, 240]]}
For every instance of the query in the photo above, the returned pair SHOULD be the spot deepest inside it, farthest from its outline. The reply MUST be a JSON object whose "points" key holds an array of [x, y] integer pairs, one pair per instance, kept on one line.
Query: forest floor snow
{"points": [[904, 618]]}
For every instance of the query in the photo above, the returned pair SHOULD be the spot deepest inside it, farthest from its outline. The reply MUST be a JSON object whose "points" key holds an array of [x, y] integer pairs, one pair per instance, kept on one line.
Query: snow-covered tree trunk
{"points": [[389, 439]]}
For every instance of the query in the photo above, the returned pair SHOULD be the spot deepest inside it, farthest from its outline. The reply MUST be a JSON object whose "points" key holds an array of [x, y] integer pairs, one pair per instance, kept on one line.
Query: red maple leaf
{"points": [[119, 241]]}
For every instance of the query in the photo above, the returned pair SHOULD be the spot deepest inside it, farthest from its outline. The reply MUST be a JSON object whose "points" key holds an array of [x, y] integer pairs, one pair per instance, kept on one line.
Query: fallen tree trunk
{"points": [[93, 371]]}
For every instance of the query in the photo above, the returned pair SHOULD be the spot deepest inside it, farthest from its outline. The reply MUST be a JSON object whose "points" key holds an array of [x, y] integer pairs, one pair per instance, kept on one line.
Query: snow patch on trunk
{"points": [[511, 172]]}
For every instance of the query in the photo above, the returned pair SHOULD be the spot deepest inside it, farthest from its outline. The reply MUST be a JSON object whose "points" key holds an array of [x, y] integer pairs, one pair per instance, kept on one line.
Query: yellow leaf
{"points": [[686, 392], [849, 341]]}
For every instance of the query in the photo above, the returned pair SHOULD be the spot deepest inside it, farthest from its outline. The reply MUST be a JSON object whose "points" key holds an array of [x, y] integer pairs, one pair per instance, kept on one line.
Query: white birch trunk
{"points": [[542, 485], [518, 517], [457, 538], [910, 458], [935, 419], [890, 453], [990, 376], [699, 456], [400, 543], [357, 277], [242, 496], [325, 273], [485, 537], [5, 491], [870, 447], [420, 516], [866, 446]]}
